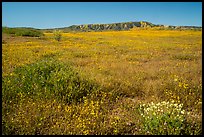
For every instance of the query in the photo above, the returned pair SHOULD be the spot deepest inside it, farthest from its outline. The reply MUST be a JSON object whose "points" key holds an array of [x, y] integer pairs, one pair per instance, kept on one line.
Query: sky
{"points": [[63, 14]]}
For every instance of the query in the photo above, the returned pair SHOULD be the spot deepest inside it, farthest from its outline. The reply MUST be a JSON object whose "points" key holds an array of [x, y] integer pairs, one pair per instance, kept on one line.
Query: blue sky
{"points": [[63, 14]]}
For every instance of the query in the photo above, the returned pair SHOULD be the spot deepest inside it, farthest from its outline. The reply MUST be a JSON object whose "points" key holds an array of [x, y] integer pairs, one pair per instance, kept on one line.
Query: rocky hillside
{"points": [[118, 27], [114, 26], [105, 27]]}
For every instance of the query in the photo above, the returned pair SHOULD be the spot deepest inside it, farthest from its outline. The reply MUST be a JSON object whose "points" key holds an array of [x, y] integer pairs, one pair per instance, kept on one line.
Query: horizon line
{"points": [[100, 24]]}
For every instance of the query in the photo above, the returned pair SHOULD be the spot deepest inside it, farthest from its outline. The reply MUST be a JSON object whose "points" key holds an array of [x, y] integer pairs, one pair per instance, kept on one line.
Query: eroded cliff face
{"points": [[113, 26]]}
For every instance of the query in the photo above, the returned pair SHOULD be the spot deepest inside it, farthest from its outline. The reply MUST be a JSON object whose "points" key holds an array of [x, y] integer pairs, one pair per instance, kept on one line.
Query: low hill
{"points": [[22, 31]]}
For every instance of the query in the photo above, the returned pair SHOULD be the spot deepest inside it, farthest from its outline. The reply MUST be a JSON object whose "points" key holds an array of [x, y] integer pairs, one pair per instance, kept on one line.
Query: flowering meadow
{"points": [[136, 82]]}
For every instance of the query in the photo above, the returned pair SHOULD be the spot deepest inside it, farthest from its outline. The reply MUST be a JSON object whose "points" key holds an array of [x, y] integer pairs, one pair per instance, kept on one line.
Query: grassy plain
{"points": [[116, 82]]}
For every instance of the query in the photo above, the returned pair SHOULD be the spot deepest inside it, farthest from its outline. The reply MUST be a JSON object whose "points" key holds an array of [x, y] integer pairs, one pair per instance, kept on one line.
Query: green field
{"points": [[138, 82]]}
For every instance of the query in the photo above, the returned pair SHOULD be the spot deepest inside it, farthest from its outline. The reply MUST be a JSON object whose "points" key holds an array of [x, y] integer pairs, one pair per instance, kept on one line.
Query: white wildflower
{"points": [[183, 112]]}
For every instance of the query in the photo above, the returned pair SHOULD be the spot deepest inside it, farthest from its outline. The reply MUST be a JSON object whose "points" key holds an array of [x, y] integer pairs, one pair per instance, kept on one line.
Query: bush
{"points": [[166, 118], [57, 35]]}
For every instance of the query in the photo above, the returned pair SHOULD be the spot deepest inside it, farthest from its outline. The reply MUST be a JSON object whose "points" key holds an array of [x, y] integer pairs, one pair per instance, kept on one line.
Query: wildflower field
{"points": [[138, 82]]}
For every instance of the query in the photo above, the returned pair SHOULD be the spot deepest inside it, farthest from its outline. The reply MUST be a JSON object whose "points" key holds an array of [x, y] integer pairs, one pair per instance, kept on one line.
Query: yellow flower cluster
{"points": [[125, 63]]}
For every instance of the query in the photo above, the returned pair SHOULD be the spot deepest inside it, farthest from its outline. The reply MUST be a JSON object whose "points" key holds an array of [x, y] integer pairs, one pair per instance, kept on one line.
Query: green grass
{"points": [[46, 79]]}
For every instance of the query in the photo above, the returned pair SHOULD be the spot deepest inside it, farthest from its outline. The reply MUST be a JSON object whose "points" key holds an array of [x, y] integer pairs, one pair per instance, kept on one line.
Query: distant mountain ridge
{"points": [[119, 26], [112, 27]]}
